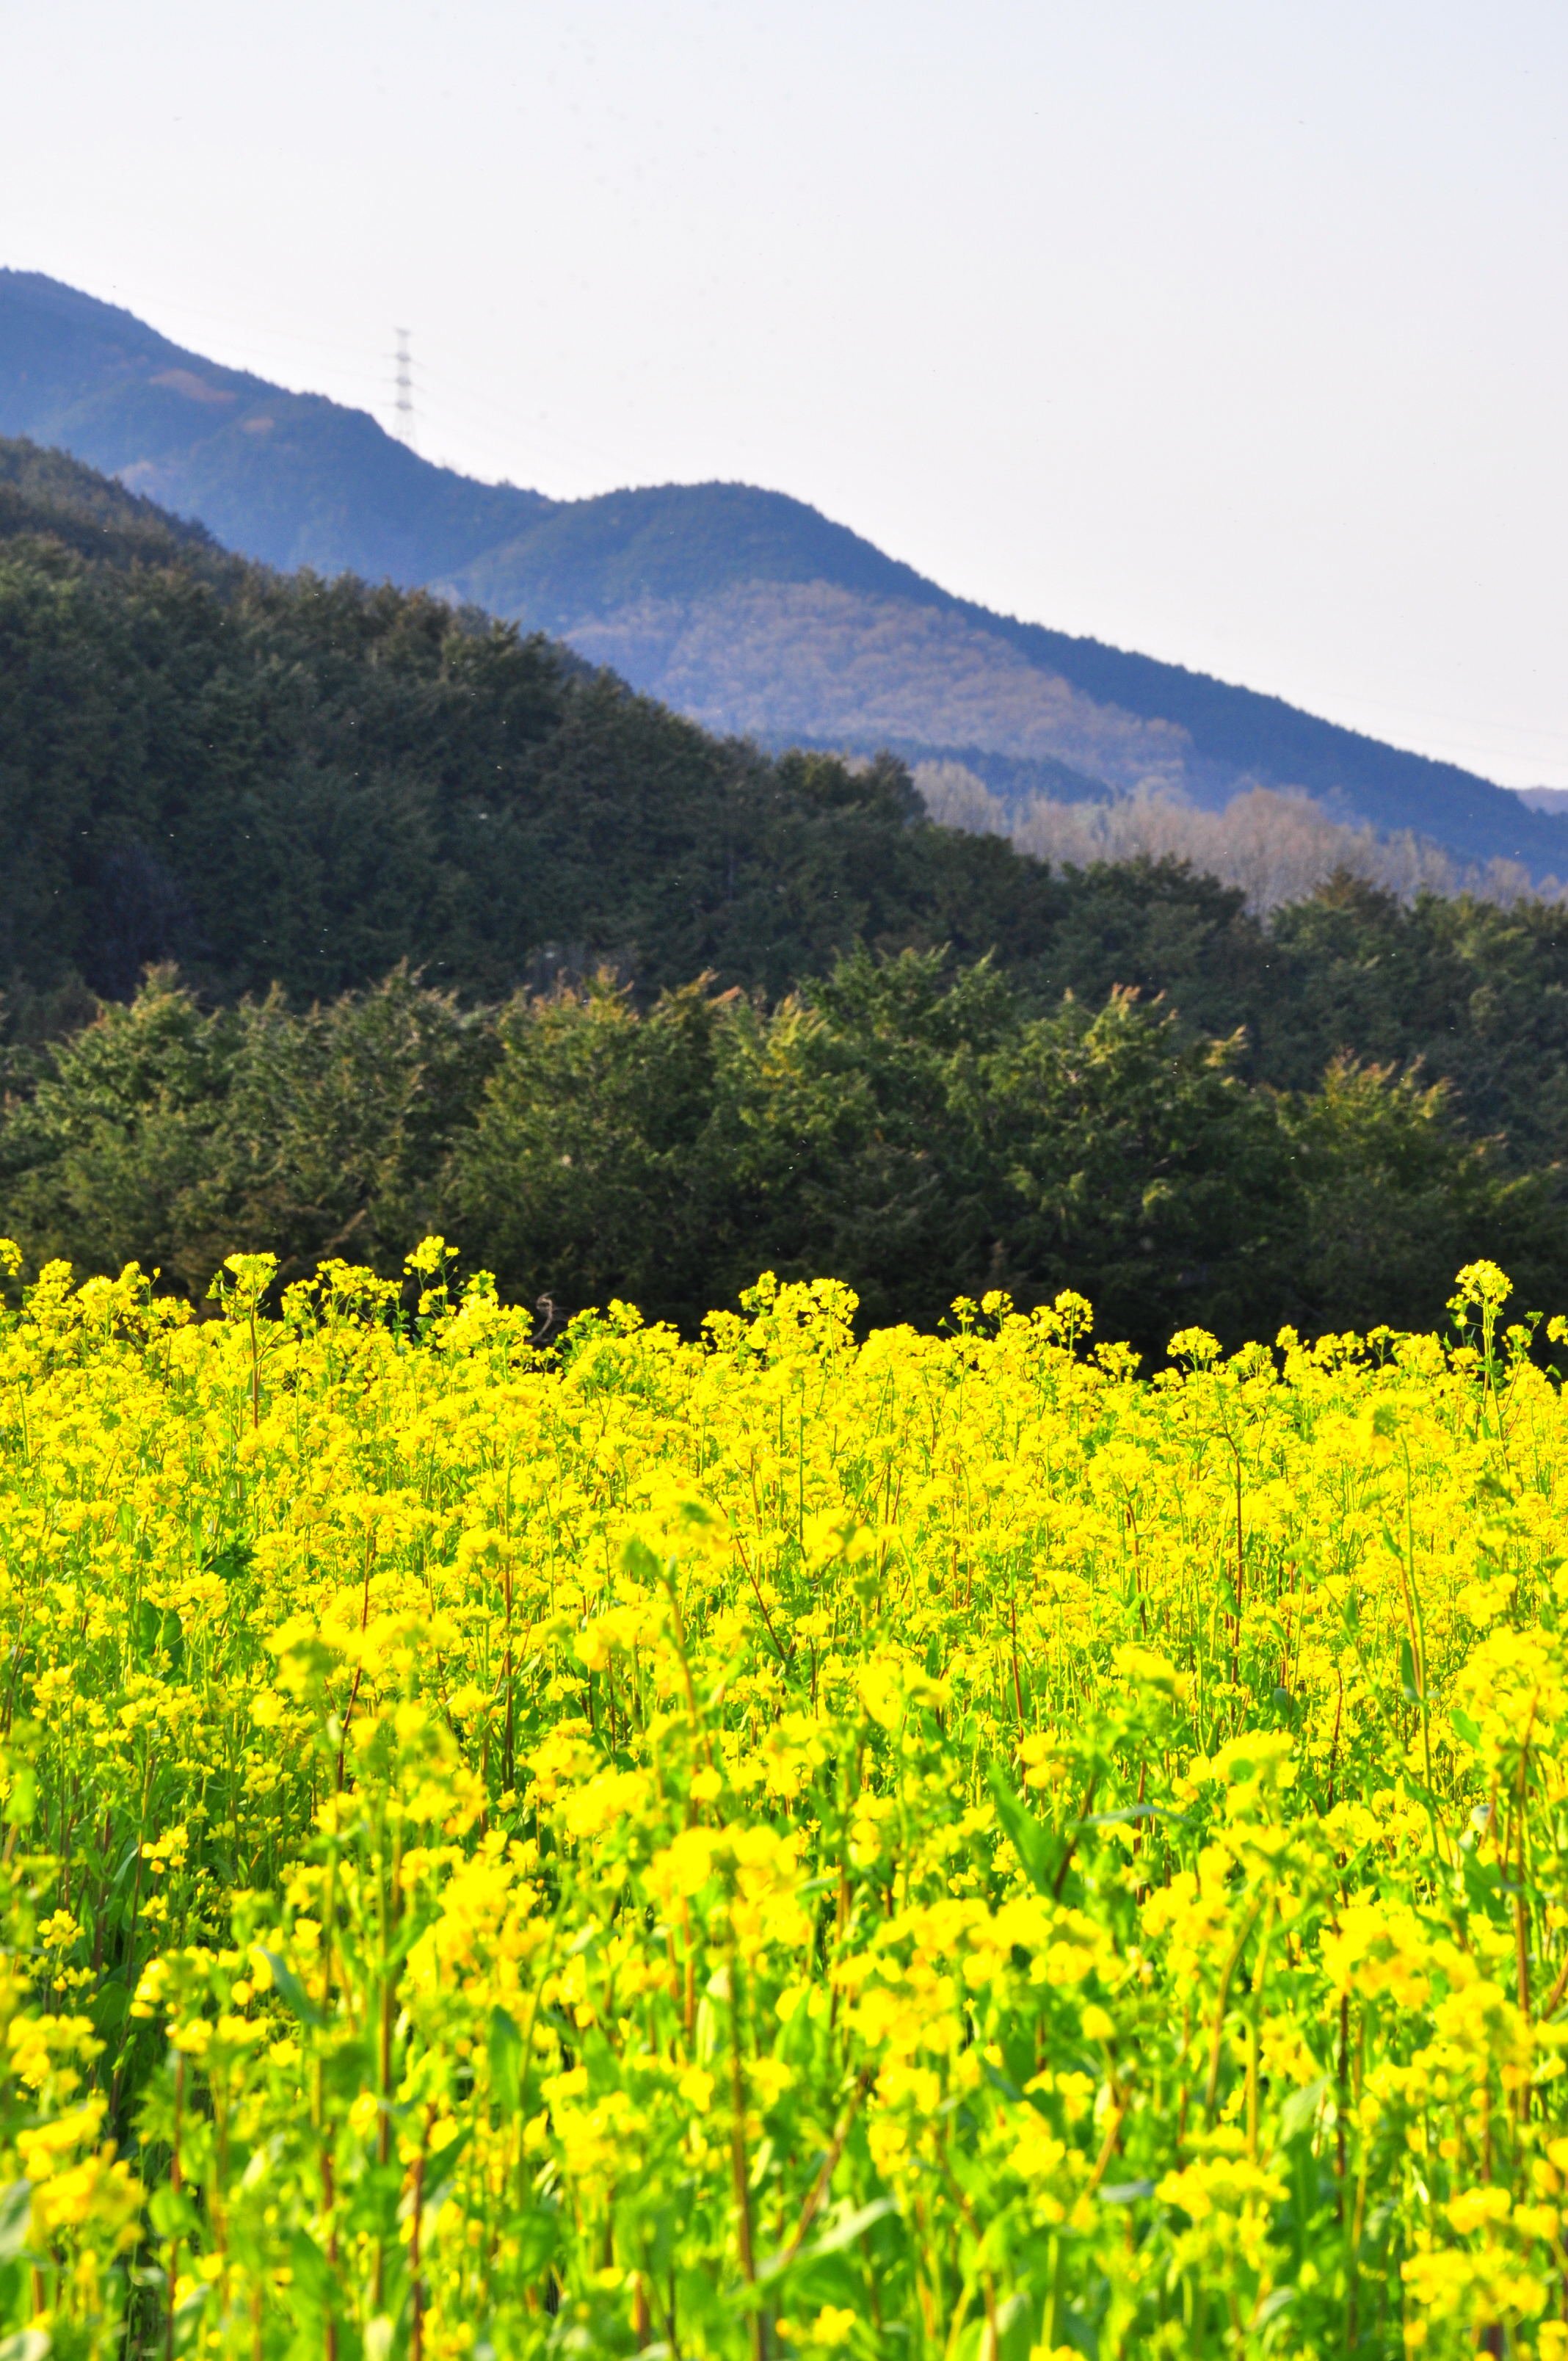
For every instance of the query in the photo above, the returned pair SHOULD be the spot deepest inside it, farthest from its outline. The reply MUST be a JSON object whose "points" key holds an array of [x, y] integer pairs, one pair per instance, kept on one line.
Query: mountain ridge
{"points": [[668, 582], [262, 467]]}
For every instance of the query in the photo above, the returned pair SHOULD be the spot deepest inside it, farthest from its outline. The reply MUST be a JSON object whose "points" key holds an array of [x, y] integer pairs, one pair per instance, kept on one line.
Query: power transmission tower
{"points": [[404, 404]]}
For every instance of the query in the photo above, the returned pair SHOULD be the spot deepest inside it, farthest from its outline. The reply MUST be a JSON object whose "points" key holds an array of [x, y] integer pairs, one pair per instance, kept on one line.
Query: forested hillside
{"points": [[273, 778], [453, 932], [742, 607]]}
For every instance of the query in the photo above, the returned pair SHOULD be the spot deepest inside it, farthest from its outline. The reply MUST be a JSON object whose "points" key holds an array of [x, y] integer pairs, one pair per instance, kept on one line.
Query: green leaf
{"points": [[312, 2276], [371, 2203], [292, 1991], [1483, 1881], [506, 2062], [1005, 2084], [1407, 1689], [109, 2007], [171, 2212], [15, 2212], [1034, 1843], [844, 2233], [638, 1561], [1298, 2110], [832, 2241]]}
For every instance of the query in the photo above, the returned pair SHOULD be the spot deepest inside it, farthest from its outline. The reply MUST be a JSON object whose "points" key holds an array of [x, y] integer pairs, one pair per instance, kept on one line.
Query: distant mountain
{"points": [[745, 609], [290, 479]]}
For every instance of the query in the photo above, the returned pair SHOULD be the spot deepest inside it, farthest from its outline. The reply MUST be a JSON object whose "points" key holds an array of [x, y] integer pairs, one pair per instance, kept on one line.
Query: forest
{"points": [[336, 915]]}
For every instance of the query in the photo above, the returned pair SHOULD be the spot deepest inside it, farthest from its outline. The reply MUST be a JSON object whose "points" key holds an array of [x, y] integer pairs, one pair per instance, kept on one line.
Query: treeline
{"points": [[920, 1130]]}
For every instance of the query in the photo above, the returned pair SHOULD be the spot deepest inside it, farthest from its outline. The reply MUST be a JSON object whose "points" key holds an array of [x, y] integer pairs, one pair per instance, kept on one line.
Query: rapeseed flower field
{"points": [[779, 1845]]}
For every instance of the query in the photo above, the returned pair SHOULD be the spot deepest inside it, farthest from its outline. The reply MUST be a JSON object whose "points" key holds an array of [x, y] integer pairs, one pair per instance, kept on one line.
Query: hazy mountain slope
{"points": [[744, 608], [753, 613], [676, 540], [791, 659], [290, 479], [1278, 744]]}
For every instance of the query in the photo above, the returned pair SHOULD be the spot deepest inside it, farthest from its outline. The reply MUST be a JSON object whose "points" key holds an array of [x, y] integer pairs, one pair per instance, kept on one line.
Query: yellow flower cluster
{"points": [[902, 1845]]}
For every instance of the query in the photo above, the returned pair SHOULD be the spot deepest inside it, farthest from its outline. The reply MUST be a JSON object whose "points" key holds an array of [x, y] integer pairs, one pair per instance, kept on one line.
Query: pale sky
{"points": [[1233, 331]]}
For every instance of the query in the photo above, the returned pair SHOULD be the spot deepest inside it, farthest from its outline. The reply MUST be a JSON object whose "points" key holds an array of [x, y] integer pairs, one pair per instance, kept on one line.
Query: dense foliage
{"points": [[917, 1128], [925, 1846]]}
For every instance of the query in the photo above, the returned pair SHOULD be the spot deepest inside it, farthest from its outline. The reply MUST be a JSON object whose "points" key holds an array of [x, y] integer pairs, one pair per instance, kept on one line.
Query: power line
{"points": [[495, 416]]}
